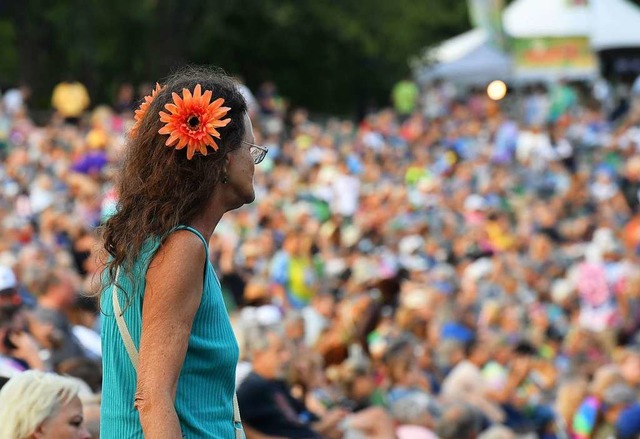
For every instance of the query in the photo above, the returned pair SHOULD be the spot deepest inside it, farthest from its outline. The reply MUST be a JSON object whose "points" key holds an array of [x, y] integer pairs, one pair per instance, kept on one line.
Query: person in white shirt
{"points": [[346, 192]]}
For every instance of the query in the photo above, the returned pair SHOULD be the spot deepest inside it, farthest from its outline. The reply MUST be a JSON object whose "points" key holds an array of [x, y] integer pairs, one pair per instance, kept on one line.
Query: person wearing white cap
{"points": [[8, 287]]}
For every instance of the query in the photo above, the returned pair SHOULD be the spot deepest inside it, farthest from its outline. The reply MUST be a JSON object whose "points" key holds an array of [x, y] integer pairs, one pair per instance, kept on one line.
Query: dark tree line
{"points": [[330, 55]]}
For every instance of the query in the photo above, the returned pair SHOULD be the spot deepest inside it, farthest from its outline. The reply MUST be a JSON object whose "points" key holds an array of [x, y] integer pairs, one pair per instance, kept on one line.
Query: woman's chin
{"points": [[250, 198], [243, 199]]}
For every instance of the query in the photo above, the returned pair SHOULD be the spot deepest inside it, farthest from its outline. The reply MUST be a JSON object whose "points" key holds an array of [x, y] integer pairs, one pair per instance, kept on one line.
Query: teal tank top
{"points": [[206, 385]]}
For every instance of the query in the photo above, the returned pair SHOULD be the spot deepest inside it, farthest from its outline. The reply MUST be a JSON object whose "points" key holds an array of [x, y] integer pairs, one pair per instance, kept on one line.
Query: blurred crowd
{"points": [[448, 267]]}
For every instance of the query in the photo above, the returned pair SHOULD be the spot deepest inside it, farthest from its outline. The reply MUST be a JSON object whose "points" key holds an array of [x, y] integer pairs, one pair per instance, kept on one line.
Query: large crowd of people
{"points": [[448, 267]]}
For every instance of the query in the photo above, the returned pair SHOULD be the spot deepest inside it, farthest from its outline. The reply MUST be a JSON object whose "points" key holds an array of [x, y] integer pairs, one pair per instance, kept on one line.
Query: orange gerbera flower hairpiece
{"points": [[192, 121], [144, 107]]}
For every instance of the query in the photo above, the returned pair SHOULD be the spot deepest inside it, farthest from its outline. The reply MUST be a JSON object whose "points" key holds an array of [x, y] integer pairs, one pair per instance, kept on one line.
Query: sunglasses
{"points": [[257, 152]]}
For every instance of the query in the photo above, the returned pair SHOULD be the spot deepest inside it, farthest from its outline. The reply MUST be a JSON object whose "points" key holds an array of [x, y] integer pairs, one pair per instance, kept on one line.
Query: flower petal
{"points": [[172, 108], [165, 130], [172, 139], [221, 112], [164, 117], [216, 104], [144, 108], [186, 96], [206, 97], [183, 142], [190, 152], [210, 141], [177, 99], [219, 123]]}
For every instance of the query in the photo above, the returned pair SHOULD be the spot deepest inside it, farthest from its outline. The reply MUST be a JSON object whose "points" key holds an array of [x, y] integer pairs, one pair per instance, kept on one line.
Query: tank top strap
{"points": [[198, 234]]}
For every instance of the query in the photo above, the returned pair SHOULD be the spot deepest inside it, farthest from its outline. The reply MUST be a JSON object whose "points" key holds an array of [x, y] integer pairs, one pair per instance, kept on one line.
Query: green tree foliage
{"points": [[329, 55]]}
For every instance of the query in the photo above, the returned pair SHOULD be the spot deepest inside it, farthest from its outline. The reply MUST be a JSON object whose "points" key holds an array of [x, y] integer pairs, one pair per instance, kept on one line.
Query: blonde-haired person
{"points": [[39, 405]]}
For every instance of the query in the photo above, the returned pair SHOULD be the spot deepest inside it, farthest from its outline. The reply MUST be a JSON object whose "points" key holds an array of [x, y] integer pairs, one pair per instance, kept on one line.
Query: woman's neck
{"points": [[206, 222]]}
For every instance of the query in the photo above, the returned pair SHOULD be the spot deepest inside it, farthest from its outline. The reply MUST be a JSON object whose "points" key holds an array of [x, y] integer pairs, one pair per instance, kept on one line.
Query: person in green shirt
{"points": [[405, 97]]}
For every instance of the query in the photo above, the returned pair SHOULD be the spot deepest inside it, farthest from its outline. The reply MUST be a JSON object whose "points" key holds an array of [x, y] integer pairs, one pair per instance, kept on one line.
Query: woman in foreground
{"points": [[169, 363]]}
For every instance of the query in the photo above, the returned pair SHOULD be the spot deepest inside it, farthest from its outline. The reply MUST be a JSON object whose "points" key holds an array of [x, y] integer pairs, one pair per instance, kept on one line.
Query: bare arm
{"points": [[172, 297]]}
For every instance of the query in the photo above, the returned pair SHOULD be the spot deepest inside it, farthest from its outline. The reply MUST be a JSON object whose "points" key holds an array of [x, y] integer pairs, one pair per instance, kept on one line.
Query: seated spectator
{"points": [[465, 382], [19, 351], [404, 373], [89, 371], [617, 398], [517, 387], [416, 414], [629, 363], [38, 405], [270, 411], [589, 416], [265, 399], [84, 315], [459, 421], [357, 381], [56, 298]]}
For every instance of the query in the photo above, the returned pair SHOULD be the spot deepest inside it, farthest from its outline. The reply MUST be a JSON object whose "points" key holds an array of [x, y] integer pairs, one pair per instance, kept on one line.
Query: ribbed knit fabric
{"points": [[207, 380]]}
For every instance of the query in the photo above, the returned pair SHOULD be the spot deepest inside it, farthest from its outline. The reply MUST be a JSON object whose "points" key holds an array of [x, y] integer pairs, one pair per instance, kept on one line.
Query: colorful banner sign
{"points": [[553, 52]]}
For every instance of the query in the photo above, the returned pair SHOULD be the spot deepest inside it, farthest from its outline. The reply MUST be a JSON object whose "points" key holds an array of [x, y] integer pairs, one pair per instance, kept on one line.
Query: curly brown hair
{"points": [[158, 187]]}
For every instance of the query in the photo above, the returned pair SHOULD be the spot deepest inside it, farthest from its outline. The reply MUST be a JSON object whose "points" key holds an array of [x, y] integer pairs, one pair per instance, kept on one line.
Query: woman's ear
{"points": [[40, 432], [225, 167]]}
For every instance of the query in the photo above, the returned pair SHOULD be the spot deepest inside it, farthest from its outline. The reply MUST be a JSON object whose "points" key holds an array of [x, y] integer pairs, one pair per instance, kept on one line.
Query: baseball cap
{"points": [[7, 278]]}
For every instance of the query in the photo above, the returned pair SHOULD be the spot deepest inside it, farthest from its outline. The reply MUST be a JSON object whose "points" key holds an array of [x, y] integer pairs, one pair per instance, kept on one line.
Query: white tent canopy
{"points": [[468, 59], [615, 24], [548, 18], [458, 46], [479, 67]]}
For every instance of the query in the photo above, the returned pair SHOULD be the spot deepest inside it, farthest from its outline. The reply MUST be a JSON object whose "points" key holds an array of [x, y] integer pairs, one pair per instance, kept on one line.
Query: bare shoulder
{"points": [[178, 264], [181, 245]]}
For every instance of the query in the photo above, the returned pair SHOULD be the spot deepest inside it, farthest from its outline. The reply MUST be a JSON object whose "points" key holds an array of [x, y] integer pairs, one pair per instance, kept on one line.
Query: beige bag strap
{"points": [[133, 353], [122, 326]]}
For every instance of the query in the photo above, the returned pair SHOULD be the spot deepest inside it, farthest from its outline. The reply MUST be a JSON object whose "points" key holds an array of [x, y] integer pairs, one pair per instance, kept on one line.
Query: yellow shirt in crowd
{"points": [[70, 99]]}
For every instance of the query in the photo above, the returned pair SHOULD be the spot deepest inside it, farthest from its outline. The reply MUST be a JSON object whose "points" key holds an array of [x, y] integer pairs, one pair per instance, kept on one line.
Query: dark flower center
{"points": [[193, 122]]}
